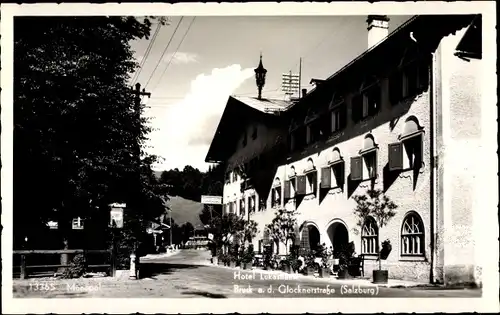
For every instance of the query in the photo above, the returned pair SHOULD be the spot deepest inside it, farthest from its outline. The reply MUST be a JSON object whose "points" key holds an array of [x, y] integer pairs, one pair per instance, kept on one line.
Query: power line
{"points": [[146, 54], [164, 51], [176, 50]]}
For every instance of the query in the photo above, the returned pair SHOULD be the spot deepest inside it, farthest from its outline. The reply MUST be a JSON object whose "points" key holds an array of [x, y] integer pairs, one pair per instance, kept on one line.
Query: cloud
{"points": [[181, 57], [186, 128]]}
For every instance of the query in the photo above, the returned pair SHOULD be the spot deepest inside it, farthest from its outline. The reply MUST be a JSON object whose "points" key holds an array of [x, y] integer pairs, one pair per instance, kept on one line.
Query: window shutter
{"points": [[395, 156], [286, 193], [326, 177], [356, 168], [301, 185]]}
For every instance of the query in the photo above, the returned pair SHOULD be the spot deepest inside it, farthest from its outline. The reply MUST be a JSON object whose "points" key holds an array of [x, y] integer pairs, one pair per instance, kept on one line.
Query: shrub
{"points": [[77, 267]]}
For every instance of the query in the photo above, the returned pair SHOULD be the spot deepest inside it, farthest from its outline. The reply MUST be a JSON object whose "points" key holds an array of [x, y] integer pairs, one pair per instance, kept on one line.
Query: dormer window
{"points": [[367, 103], [313, 131], [338, 117], [409, 81]]}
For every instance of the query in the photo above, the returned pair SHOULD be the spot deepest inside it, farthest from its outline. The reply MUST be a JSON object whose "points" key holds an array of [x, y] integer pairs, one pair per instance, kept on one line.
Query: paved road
{"points": [[185, 275]]}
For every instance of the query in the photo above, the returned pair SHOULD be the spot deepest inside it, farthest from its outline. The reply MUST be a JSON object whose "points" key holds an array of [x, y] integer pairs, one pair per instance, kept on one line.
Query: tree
{"points": [[282, 227], [374, 204], [76, 129]]}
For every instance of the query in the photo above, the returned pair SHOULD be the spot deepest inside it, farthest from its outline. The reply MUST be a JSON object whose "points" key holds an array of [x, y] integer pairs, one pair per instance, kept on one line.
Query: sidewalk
{"points": [[392, 283]]}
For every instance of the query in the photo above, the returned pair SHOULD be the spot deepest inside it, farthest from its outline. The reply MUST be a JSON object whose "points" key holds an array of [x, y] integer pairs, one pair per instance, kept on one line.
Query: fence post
{"points": [[113, 255], [24, 274]]}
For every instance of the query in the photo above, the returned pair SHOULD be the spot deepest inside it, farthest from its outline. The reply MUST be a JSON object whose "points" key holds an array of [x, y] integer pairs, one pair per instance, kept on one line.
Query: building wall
{"points": [[457, 103], [461, 121], [266, 136]]}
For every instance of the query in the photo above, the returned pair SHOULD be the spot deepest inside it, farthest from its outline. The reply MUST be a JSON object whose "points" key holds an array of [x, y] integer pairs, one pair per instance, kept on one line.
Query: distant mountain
{"points": [[185, 210]]}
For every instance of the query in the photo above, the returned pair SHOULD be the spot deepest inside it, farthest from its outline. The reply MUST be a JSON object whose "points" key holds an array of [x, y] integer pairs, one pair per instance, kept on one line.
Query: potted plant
{"points": [[285, 265], [247, 256], [324, 268], [310, 264], [267, 257], [375, 204]]}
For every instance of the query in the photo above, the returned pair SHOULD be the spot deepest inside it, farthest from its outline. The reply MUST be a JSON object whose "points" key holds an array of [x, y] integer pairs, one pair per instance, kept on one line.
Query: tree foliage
{"points": [[282, 228], [76, 131], [374, 204]]}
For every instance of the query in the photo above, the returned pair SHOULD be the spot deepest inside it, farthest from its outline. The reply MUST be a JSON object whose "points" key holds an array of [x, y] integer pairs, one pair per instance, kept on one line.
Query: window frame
{"points": [[371, 239], [412, 236]]}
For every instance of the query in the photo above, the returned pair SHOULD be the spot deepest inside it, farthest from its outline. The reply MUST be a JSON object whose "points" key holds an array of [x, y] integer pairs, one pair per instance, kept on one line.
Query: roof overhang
{"points": [[470, 46], [428, 31], [235, 117]]}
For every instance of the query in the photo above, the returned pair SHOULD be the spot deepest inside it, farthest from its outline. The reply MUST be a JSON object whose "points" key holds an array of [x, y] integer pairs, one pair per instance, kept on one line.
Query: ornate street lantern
{"points": [[260, 77]]}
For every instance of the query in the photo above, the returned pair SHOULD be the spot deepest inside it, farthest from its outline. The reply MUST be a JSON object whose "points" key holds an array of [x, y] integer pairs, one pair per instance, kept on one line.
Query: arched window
{"points": [[369, 237], [412, 235]]}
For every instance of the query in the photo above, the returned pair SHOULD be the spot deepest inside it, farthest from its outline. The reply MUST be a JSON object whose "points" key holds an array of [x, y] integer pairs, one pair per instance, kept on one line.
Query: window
{"points": [[408, 153], [412, 236], [338, 118], [251, 204], [311, 179], [314, 131], [370, 165], [231, 209], [410, 81], [366, 103], [242, 207], [276, 196], [369, 237], [235, 177]]}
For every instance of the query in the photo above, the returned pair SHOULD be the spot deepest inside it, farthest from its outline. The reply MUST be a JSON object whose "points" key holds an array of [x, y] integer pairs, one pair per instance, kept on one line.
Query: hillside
{"points": [[184, 210]]}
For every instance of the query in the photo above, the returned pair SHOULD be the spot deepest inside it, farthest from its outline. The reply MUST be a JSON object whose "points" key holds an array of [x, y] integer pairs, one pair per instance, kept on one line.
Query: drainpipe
{"points": [[433, 164]]}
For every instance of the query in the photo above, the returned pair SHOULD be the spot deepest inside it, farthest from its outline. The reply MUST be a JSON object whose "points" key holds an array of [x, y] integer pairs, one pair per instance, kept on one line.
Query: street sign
{"points": [[211, 200]]}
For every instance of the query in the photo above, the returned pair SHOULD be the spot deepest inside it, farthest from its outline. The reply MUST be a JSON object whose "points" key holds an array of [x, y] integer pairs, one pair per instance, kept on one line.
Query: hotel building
{"points": [[404, 117]]}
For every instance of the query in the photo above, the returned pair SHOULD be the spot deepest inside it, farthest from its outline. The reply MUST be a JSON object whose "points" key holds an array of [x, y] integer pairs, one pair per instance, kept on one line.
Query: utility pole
{"points": [[137, 109]]}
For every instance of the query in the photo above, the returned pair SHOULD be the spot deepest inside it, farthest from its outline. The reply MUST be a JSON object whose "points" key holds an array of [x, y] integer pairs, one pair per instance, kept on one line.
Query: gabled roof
{"points": [[237, 112]]}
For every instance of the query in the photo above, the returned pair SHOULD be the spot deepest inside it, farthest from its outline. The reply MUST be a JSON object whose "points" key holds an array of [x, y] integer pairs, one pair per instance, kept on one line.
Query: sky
{"points": [[196, 63]]}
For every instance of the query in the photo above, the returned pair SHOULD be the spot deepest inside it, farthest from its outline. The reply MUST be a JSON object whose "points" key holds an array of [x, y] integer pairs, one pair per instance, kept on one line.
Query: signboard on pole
{"points": [[77, 224], [116, 215], [211, 200]]}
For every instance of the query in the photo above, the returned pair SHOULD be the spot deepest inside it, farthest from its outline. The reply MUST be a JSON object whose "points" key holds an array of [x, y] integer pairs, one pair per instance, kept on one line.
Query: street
{"points": [[186, 274]]}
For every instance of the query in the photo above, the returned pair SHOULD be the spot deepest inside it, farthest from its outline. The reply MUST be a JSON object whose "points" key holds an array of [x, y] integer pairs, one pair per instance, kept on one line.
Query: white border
{"points": [[488, 201]]}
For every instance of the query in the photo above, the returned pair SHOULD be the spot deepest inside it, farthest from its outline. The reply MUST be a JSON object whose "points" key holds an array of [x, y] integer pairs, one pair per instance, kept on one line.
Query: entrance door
{"points": [[338, 234]]}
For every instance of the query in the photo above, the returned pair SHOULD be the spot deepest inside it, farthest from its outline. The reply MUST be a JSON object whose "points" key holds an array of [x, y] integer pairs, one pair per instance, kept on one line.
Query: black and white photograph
{"points": [[271, 156]]}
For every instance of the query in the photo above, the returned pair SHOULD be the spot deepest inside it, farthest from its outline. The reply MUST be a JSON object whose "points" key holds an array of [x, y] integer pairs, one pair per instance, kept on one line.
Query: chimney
{"points": [[304, 92], [378, 29]]}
